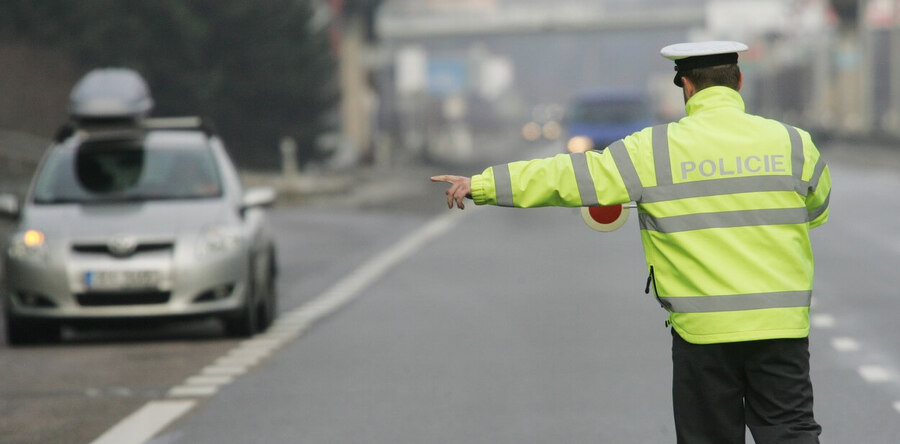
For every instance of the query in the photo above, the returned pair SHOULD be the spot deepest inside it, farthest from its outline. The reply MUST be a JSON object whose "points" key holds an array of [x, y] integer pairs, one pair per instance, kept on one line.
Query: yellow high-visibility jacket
{"points": [[725, 200]]}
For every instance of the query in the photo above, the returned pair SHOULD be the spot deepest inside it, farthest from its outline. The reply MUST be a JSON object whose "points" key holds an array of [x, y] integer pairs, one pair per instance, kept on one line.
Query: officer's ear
{"points": [[740, 82], [688, 88]]}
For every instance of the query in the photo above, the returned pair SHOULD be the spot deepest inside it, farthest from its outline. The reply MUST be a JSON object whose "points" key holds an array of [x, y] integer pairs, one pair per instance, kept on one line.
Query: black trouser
{"points": [[717, 389]]}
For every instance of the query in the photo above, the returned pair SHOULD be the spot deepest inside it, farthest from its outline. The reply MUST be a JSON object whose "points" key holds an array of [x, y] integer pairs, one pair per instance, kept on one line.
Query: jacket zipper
{"points": [[651, 280]]}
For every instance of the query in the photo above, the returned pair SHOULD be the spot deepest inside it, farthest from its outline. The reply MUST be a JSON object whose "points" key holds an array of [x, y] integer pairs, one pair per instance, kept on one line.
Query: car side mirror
{"points": [[258, 197], [9, 205]]}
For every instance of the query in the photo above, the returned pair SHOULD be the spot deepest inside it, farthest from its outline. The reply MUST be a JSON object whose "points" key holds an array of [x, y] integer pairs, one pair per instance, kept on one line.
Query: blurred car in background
{"points": [[130, 217], [544, 124], [597, 118]]}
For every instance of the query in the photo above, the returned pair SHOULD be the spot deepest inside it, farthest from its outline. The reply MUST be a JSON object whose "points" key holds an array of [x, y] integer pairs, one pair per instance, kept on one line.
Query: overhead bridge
{"points": [[527, 21]]}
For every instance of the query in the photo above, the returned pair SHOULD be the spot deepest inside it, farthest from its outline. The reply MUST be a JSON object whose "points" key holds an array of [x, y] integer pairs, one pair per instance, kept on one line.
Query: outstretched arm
{"points": [[553, 181], [460, 188]]}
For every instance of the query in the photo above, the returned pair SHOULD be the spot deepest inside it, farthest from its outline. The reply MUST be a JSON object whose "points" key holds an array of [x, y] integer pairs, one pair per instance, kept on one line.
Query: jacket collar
{"points": [[712, 98]]}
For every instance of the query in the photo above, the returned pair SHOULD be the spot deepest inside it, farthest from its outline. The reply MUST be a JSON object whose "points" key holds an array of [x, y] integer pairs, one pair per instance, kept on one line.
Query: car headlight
{"points": [[28, 245], [580, 144], [217, 240]]}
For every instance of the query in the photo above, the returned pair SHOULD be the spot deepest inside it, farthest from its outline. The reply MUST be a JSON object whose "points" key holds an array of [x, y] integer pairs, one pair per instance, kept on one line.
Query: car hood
{"points": [[157, 218]]}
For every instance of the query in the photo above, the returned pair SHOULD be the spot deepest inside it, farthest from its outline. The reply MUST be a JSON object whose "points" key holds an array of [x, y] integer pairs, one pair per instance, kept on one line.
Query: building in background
{"points": [[458, 76], [831, 66], [463, 77]]}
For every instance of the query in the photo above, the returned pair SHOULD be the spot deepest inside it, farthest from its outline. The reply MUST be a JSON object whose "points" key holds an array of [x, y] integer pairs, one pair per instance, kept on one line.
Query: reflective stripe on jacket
{"points": [[725, 200]]}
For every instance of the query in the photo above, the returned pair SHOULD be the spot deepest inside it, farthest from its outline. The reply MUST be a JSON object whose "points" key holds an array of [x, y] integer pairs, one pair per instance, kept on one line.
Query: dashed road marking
{"points": [[209, 380], [874, 373], [869, 373], [154, 416], [243, 350], [122, 392], [260, 341], [232, 370], [845, 344], [145, 422], [822, 320], [192, 391], [248, 355], [249, 361]]}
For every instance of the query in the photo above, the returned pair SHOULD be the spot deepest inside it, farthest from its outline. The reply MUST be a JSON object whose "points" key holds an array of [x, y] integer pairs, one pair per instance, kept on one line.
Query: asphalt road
{"points": [[404, 322]]}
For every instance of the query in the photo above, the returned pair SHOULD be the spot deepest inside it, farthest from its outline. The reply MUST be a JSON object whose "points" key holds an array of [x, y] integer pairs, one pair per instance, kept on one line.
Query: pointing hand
{"points": [[460, 188]]}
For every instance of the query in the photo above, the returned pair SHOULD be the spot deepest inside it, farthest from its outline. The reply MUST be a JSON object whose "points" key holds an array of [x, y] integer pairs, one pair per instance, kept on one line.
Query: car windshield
{"points": [[609, 111], [126, 171]]}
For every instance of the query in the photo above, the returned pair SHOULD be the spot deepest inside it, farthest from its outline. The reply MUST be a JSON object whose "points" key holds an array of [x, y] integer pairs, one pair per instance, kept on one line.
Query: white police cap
{"points": [[688, 56]]}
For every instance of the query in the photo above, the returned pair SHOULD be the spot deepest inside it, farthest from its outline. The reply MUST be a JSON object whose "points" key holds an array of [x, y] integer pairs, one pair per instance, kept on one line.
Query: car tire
{"points": [[22, 332], [243, 323], [268, 297]]}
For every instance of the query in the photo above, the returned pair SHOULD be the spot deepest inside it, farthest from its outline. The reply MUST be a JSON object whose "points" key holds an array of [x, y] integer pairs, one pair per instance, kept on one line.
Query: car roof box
{"points": [[110, 94]]}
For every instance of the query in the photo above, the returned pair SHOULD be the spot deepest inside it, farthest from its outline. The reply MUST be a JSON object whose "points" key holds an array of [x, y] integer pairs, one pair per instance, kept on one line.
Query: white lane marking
{"points": [[343, 292], [209, 380], [192, 391], [874, 373], [823, 320], [348, 289], [232, 370], [243, 353], [145, 422], [254, 348], [845, 344], [261, 341], [248, 361]]}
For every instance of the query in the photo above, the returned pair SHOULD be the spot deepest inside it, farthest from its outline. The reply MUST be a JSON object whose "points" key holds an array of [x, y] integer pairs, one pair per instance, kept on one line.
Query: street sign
{"points": [[446, 76]]}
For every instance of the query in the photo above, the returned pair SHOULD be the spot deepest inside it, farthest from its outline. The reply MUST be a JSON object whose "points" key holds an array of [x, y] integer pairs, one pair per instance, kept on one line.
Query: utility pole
{"points": [[851, 98], [893, 125], [352, 37]]}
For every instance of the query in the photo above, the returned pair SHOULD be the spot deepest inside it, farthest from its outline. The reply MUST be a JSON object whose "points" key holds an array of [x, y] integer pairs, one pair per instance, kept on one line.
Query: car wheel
{"points": [[22, 332], [268, 301], [243, 323]]}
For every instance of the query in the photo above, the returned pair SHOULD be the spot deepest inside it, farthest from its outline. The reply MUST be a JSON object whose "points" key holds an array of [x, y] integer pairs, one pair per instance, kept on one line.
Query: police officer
{"points": [[726, 200]]}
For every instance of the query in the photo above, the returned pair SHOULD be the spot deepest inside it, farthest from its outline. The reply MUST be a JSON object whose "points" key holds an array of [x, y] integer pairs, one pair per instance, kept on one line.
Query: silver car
{"points": [[137, 221]]}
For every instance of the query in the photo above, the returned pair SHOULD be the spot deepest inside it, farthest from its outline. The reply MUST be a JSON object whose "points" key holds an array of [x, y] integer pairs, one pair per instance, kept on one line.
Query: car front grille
{"points": [[105, 299], [99, 248]]}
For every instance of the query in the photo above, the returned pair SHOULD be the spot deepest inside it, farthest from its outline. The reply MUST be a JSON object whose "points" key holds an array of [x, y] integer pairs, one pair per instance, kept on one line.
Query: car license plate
{"points": [[122, 279]]}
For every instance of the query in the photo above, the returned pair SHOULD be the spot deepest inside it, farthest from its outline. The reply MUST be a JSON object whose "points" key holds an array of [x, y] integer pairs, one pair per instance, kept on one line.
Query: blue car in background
{"points": [[597, 118]]}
